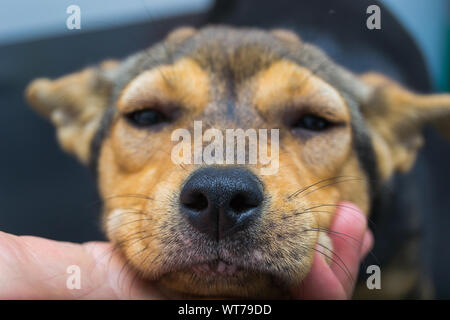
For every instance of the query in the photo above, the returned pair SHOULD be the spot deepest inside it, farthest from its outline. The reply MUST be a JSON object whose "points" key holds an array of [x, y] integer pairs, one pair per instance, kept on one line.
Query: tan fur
{"points": [[133, 161], [75, 104], [183, 84], [140, 184], [396, 118]]}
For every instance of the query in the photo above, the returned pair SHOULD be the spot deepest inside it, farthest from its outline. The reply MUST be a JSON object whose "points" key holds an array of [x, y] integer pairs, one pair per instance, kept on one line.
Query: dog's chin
{"points": [[220, 280]]}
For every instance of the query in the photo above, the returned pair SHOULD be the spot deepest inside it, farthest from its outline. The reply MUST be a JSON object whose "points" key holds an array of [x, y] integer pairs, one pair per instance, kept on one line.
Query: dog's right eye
{"points": [[146, 117]]}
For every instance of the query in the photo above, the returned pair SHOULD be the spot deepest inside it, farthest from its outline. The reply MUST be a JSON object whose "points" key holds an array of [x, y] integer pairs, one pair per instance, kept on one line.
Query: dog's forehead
{"points": [[225, 52], [234, 55], [229, 74], [240, 53]]}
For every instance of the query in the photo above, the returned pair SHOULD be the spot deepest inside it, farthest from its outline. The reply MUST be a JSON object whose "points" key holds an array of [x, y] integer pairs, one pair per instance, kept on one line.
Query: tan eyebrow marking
{"points": [[286, 83], [184, 82]]}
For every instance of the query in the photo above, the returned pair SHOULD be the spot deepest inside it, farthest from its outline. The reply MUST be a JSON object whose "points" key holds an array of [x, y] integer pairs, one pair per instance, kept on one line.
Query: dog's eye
{"points": [[146, 117], [312, 123]]}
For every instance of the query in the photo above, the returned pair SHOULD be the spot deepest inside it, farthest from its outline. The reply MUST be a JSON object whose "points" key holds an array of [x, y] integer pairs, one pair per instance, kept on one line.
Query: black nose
{"points": [[220, 201]]}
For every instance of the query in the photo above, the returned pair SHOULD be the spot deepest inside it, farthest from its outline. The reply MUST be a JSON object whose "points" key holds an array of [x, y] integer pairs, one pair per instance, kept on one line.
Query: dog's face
{"points": [[227, 229]]}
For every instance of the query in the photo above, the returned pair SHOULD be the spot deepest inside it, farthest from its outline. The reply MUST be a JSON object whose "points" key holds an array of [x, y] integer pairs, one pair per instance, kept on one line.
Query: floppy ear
{"points": [[286, 35], [181, 34], [74, 104], [396, 117]]}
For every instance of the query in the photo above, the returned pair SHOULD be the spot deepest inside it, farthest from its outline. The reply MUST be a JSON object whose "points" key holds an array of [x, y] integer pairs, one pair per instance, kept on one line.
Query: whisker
{"points": [[310, 211], [342, 266], [110, 251], [372, 223], [128, 260], [333, 260], [127, 212], [295, 214], [130, 195], [130, 222], [331, 184], [296, 193], [340, 235]]}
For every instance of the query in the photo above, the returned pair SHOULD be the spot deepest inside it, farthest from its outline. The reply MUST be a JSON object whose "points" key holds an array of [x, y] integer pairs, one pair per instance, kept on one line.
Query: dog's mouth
{"points": [[216, 268], [224, 279]]}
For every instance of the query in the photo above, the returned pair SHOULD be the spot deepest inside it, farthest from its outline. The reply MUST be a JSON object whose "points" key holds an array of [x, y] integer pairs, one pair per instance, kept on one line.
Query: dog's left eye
{"points": [[146, 117], [312, 123]]}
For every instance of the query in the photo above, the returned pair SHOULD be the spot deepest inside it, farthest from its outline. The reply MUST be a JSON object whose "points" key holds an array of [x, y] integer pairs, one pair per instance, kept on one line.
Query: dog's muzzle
{"points": [[220, 201]]}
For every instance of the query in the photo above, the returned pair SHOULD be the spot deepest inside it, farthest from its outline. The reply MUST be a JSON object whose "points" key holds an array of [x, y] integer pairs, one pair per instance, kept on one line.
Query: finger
{"points": [[118, 274], [37, 268], [347, 235], [320, 283], [367, 244]]}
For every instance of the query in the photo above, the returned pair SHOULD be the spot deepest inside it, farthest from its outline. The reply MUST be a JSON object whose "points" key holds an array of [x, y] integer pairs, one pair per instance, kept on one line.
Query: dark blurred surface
{"points": [[45, 192]]}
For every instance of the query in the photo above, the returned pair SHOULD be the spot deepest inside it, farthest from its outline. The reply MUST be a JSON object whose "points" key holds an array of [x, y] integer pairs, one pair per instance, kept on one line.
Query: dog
{"points": [[226, 230]]}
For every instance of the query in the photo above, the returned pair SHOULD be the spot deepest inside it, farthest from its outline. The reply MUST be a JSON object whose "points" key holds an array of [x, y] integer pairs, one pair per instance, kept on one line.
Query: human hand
{"points": [[35, 268], [352, 241]]}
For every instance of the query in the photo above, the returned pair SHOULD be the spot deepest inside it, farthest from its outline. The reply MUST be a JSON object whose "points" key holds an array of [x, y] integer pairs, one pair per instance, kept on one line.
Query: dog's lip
{"points": [[217, 267], [230, 272], [221, 268]]}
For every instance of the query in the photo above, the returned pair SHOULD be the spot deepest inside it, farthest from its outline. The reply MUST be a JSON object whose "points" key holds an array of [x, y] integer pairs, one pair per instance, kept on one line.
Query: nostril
{"points": [[241, 203], [221, 201], [196, 201]]}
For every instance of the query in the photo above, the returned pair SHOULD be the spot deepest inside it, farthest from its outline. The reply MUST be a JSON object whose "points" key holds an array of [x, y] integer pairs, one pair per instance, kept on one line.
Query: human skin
{"points": [[36, 268]]}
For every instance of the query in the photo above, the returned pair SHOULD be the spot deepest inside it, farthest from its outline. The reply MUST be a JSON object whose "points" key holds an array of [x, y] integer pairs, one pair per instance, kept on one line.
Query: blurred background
{"points": [[45, 192]]}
